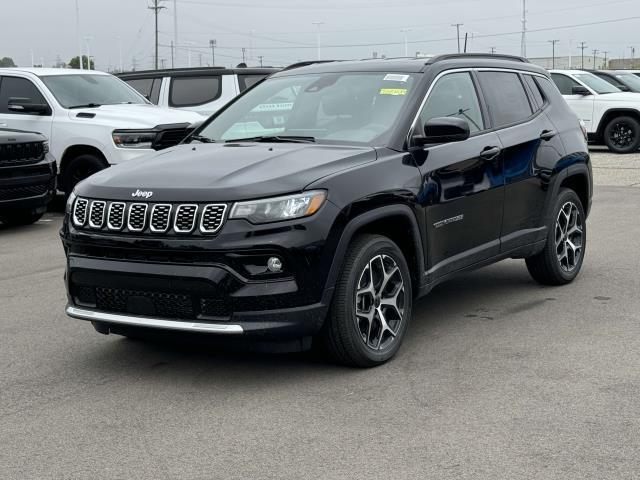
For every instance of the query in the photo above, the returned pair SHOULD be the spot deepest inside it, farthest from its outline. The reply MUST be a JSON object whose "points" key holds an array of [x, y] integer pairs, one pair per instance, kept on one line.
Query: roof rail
{"points": [[489, 56], [305, 63]]}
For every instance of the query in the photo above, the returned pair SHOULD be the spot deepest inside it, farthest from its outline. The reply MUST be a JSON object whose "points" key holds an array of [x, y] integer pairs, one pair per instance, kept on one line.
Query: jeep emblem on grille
{"points": [[143, 194]]}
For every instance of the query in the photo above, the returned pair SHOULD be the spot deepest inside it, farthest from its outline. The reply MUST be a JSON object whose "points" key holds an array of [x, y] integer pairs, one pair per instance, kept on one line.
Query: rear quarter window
{"points": [[248, 81], [536, 94], [506, 97], [192, 91]]}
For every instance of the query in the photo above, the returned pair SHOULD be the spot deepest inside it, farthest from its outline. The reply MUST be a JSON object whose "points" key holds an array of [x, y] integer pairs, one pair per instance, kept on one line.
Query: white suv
{"points": [[610, 115], [204, 90], [92, 119]]}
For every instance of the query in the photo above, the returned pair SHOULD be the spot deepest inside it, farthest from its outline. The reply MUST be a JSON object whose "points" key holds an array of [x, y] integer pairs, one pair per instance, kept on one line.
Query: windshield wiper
{"points": [[202, 139], [86, 105], [275, 138]]}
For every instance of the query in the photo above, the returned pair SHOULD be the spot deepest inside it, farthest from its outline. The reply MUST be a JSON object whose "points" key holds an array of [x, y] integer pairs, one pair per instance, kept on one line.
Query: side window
{"points": [[247, 81], [154, 97], [564, 83], [192, 91], [536, 94], [549, 89], [506, 97], [15, 87], [454, 95], [142, 85]]}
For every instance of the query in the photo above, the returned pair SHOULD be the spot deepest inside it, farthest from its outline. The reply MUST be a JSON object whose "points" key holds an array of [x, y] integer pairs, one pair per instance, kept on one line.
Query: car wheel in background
{"points": [[622, 135], [81, 167]]}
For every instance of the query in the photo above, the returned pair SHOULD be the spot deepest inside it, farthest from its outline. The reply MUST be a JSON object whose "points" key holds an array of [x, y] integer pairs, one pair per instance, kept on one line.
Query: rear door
{"points": [[531, 149], [462, 181]]}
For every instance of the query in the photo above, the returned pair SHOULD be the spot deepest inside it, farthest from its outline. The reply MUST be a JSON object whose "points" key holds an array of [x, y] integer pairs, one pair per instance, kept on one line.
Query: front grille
{"points": [[168, 305], [150, 218], [21, 153], [212, 218], [137, 217], [185, 219], [16, 193], [171, 137], [96, 214]]}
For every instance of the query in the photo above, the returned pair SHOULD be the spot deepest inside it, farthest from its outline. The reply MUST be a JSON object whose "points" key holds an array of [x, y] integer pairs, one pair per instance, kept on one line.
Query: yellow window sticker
{"points": [[393, 91]]}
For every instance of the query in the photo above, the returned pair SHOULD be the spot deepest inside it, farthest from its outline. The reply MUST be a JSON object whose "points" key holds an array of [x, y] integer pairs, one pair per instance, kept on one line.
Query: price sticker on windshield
{"points": [[393, 91]]}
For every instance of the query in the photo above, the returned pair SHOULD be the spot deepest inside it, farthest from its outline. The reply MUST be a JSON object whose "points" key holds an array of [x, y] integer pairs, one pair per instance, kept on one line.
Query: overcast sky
{"points": [[282, 31]]}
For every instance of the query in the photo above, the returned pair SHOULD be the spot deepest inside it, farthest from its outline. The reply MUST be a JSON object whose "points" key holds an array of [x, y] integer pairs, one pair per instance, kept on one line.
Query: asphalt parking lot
{"points": [[498, 378]]}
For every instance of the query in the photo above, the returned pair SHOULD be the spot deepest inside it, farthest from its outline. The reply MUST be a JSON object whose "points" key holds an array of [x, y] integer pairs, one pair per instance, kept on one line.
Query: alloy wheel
{"points": [[379, 302], [622, 135], [569, 236]]}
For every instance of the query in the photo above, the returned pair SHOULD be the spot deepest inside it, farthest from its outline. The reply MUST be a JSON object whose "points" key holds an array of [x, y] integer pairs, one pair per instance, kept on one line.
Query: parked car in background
{"points": [[323, 220], [622, 79], [610, 116], [27, 176], [92, 119], [202, 90]]}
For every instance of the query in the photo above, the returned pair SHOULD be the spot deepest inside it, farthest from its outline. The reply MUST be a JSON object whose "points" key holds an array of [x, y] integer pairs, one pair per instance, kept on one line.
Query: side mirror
{"points": [[624, 88], [443, 130], [25, 105], [580, 90]]}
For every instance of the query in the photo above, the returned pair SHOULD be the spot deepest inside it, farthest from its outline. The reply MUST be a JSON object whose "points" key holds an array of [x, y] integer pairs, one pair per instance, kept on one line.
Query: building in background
{"points": [[573, 62]]}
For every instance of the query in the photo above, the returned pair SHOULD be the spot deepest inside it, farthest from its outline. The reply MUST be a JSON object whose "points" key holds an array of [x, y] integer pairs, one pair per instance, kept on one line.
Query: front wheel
{"points": [[561, 259], [622, 135], [81, 167], [372, 304]]}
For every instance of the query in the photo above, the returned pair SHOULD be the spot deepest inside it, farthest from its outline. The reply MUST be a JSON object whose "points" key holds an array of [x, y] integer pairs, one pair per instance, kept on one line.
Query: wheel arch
{"points": [[578, 181], [396, 222], [81, 149], [612, 113]]}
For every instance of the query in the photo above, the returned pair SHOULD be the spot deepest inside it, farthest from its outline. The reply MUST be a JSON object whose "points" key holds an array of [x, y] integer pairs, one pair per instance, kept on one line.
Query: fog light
{"points": [[274, 264]]}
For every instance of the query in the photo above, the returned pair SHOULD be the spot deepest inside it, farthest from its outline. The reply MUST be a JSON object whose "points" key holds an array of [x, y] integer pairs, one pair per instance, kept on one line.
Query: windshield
{"points": [[81, 90], [630, 80], [596, 83], [350, 108]]}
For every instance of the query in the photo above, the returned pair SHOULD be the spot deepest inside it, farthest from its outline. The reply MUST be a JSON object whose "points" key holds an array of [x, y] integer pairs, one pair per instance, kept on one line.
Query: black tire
{"points": [[20, 217], [622, 134], [79, 168], [546, 267], [342, 334]]}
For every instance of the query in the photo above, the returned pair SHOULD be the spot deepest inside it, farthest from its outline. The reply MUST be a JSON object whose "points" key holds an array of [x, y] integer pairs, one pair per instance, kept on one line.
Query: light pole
{"points": [[406, 46], [553, 52], [212, 44], [260, 57], [605, 58], [78, 34], [88, 40], [595, 52], [317, 24]]}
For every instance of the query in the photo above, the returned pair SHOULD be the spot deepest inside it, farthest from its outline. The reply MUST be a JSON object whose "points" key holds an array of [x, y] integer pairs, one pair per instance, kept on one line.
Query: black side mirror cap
{"points": [[443, 130], [580, 90], [624, 88], [25, 105]]}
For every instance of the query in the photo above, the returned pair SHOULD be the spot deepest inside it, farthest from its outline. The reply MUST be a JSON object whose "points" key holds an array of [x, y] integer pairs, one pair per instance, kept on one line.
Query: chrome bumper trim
{"points": [[136, 321]]}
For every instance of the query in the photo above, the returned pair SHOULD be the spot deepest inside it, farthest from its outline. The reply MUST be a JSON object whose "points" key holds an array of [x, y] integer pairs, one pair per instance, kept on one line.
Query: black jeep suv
{"points": [[322, 202], [27, 176]]}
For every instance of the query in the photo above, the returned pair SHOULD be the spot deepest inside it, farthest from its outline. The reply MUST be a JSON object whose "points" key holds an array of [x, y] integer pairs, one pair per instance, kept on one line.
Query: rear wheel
{"points": [[561, 259], [372, 304], [20, 217], [622, 135], [81, 167]]}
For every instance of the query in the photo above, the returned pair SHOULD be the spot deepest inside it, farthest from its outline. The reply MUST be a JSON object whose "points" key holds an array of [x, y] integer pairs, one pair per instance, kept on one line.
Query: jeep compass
{"points": [[319, 204]]}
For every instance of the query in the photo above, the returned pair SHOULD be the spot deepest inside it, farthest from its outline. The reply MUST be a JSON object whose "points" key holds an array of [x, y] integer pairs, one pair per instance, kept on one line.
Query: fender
{"points": [[370, 216], [613, 111]]}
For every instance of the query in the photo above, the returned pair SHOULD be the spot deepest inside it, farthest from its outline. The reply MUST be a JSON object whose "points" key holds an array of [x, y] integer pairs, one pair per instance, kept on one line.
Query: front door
{"points": [[463, 187], [18, 87]]}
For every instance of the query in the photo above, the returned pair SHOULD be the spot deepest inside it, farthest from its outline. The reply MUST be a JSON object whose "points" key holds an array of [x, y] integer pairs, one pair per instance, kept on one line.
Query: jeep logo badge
{"points": [[141, 194]]}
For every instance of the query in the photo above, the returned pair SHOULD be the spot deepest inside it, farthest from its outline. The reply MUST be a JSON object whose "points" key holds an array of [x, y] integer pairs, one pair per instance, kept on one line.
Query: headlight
{"points": [[70, 200], [45, 147], [134, 138], [280, 208]]}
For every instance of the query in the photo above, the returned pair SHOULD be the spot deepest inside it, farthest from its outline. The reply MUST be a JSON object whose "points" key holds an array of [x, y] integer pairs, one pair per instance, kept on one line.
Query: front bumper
{"points": [[28, 186]]}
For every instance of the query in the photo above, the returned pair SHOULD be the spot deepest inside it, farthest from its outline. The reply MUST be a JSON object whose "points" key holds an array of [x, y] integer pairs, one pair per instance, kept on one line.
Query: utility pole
{"points": [[466, 36], [633, 56], [260, 58], [523, 46], [156, 9], [457, 25], [406, 46], [605, 58], [78, 39], [317, 24], [553, 52], [32, 60], [493, 50], [120, 53], [582, 48], [172, 46], [243, 54], [212, 44], [595, 52], [134, 64], [175, 26], [88, 40], [162, 60]]}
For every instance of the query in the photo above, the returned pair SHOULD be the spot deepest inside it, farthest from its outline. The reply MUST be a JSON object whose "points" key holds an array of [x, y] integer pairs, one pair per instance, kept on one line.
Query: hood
{"points": [[123, 116], [224, 172], [630, 97]]}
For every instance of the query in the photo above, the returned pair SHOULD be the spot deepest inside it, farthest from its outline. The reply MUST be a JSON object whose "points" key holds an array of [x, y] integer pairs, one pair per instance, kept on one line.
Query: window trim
{"points": [[44, 97], [545, 100], [184, 105]]}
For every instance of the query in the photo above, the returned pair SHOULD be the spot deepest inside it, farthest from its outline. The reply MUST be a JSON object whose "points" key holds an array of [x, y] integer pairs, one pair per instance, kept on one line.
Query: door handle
{"points": [[489, 153], [547, 135]]}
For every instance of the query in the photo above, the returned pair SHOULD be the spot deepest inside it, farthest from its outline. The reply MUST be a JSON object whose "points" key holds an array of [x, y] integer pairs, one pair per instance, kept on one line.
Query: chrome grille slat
{"points": [[115, 215], [212, 217], [80, 212], [96, 213], [160, 217], [185, 219], [137, 219]]}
